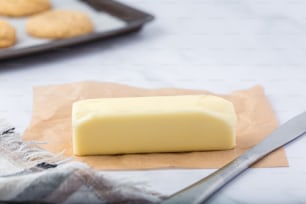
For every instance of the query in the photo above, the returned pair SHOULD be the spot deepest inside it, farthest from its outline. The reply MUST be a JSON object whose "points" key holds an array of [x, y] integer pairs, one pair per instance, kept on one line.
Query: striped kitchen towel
{"points": [[31, 174]]}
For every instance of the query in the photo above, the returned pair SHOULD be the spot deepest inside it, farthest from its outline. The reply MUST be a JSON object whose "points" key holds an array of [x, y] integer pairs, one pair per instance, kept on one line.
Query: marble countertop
{"points": [[216, 45]]}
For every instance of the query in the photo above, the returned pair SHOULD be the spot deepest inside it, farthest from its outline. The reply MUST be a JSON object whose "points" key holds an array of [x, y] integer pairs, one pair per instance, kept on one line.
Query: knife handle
{"points": [[200, 191]]}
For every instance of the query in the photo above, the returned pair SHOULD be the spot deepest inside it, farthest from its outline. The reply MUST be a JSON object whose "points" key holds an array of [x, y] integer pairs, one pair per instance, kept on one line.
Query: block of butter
{"points": [[152, 124]]}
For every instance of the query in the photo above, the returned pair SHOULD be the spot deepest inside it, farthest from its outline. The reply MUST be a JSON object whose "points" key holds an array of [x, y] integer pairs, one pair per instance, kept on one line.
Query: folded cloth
{"points": [[31, 174]]}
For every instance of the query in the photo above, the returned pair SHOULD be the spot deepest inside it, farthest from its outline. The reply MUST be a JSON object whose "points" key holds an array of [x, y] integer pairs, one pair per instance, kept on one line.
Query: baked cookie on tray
{"points": [[19, 8], [7, 34], [59, 24]]}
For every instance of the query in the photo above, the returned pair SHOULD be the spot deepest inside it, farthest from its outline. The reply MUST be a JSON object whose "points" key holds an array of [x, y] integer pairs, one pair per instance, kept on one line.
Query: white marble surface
{"points": [[203, 44]]}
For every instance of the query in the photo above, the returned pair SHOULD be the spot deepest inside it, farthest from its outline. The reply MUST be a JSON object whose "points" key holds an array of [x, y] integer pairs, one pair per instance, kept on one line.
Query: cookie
{"points": [[59, 24], [18, 8], [7, 34]]}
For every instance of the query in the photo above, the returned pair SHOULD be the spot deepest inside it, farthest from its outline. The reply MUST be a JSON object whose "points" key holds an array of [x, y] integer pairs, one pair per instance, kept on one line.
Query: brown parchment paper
{"points": [[51, 122]]}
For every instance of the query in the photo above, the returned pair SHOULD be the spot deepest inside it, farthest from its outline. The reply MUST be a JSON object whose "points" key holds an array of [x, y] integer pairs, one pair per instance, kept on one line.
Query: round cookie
{"points": [[7, 35], [58, 24], [18, 8]]}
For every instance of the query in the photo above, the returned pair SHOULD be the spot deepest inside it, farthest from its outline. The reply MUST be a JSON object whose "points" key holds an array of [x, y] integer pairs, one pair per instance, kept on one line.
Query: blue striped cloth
{"points": [[31, 174]]}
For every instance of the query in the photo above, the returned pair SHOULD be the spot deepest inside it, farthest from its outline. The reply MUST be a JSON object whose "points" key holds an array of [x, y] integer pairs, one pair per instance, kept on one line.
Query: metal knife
{"points": [[202, 190]]}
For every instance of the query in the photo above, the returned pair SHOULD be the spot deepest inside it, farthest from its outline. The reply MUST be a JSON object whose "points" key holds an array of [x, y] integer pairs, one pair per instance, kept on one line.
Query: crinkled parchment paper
{"points": [[51, 122]]}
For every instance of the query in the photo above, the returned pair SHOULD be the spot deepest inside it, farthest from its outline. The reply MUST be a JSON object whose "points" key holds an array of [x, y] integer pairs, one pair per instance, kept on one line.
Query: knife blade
{"points": [[202, 190]]}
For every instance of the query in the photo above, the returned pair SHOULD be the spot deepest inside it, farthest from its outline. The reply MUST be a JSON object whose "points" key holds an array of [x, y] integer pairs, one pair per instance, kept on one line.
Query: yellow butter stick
{"points": [[153, 124]]}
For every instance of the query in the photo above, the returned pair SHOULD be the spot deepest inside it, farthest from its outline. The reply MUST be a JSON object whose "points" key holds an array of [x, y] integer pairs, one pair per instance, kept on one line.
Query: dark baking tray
{"points": [[134, 19]]}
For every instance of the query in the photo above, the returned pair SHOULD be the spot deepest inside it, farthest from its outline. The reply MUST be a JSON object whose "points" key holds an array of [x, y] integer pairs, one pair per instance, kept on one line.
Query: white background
{"points": [[203, 44]]}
